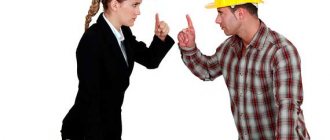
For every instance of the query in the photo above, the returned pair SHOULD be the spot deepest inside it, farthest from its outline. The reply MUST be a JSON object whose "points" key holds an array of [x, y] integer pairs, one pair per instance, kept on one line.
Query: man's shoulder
{"points": [[278, 39], [234, 39]]}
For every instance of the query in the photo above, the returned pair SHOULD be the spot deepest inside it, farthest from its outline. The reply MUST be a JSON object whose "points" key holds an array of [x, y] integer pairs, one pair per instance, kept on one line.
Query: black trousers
{"points": [[108, 135], [75, 127], [65, 137], [83, 123], [73, 138]]}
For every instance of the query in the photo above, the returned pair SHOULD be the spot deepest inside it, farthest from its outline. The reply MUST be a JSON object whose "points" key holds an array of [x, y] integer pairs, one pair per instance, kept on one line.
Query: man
{"points": [[261, 70]]}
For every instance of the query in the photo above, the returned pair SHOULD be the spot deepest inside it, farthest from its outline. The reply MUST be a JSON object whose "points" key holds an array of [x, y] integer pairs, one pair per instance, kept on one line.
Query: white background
{"points": [[38, 81]]}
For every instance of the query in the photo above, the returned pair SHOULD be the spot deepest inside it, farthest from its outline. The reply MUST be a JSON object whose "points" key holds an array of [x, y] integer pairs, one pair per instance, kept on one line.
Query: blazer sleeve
{"points": [[152, 56], [88, 69]]}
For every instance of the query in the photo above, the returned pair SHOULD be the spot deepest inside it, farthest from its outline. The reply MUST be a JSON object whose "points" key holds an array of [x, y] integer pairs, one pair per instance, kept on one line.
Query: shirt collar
{"points": [[260, 37], [119, 34], [258, 40]]}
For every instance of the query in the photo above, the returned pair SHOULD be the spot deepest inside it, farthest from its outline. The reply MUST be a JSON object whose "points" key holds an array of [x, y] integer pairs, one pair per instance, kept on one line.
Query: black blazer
{"points": [[103, 78]]}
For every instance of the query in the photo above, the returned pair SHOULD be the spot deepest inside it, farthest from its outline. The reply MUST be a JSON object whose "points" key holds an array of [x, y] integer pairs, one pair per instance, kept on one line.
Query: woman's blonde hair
{"points": [[94, 8]]}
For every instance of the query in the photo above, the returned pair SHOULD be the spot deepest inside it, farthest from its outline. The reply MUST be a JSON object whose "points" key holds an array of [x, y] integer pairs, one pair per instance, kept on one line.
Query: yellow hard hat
{"points": [[225, 3]]}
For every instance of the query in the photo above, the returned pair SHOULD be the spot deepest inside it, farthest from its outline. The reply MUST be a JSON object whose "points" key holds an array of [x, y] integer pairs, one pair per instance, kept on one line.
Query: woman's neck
{"points": [[114, 21]]}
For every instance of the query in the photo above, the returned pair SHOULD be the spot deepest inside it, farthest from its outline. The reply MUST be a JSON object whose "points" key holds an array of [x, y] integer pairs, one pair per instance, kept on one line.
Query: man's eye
{"points": [[135, 5]]}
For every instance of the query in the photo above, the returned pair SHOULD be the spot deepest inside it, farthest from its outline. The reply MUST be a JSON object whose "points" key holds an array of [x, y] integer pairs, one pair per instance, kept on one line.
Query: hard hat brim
{"points": [[220, 5], [210, 6]]}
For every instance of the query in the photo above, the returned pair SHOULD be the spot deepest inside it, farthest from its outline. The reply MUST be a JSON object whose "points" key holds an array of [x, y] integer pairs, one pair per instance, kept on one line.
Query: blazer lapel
{"points": [[128, 52], [110, 40]]}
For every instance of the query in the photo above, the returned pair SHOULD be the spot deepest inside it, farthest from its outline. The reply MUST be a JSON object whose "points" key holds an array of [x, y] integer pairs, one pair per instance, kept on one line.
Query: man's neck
{"points": [[250, 29]]}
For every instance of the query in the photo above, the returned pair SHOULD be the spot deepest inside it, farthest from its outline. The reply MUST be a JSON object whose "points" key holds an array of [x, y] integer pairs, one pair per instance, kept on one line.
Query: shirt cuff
{"points": [[188, 51]]}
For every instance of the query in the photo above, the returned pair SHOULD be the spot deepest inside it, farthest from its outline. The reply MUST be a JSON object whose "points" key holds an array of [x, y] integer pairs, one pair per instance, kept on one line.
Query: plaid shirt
{"points": [[264, 84]]}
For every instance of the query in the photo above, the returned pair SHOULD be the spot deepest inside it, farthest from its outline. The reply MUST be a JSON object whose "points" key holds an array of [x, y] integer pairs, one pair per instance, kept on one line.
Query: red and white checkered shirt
{"points": [[264, 84]]}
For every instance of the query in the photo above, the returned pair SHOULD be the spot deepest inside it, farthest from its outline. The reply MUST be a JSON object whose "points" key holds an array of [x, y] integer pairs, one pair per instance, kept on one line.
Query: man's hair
{"points": [[252, 9]]}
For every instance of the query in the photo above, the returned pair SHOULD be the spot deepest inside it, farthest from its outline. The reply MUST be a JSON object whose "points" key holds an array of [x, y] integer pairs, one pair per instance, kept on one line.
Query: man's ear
{"points": [[239, 13]]}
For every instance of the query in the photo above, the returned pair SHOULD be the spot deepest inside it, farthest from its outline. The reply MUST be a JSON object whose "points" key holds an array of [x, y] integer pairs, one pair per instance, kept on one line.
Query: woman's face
{"points": [[128, 11]]}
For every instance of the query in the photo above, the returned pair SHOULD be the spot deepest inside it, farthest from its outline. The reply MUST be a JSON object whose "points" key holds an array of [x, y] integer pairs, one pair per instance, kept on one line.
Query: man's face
{"points": [[227, 21]]}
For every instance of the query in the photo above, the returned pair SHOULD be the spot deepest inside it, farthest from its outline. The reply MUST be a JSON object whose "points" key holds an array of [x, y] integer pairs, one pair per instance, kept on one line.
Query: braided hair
{"points": [[94, 8]]}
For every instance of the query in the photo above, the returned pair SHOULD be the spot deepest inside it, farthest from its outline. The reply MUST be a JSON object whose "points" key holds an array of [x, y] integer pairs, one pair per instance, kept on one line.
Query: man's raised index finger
{"points": [[190, 24]]}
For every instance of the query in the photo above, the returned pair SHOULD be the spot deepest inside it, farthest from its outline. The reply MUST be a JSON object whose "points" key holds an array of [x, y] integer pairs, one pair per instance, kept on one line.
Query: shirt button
{"points": [[245, 133], [241, 94]]}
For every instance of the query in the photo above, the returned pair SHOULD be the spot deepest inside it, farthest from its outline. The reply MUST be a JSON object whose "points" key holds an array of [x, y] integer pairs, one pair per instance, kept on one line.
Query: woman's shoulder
{"points": [[91, 39], [92, 31]]}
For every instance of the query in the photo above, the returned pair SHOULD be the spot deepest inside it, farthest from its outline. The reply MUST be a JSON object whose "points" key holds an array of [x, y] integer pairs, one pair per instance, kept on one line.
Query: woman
{"points": [[105, 58]]}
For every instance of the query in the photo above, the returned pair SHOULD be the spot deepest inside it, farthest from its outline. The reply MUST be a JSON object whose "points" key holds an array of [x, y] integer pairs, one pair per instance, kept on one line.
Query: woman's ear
{"points": [[114, 5]]}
